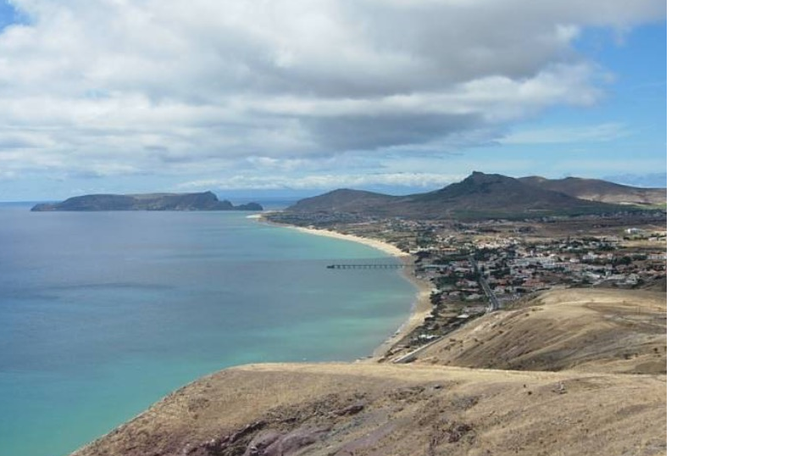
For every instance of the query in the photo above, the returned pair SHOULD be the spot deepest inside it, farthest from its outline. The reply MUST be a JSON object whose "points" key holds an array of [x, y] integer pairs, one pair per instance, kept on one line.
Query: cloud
{"points": [[7, 175], [119, 87], [657, 180], [352, 132], [559, 135], [323, 181], [601, 167]]}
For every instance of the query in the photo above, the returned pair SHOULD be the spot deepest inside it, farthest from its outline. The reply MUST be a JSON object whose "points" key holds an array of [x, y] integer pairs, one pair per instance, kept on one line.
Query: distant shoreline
{"points": [[420, 308]]}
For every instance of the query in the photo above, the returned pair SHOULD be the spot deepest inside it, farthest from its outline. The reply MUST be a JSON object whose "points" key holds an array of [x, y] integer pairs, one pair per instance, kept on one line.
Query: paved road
{"points": [[412, 355], [494, 304]]}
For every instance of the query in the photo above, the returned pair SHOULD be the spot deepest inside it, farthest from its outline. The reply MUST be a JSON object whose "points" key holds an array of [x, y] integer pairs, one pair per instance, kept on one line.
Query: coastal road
{"points": [[412, 355]]}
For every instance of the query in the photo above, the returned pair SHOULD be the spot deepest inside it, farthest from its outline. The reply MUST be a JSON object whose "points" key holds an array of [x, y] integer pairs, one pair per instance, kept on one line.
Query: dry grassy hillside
{"points": [[588, 330], [385, 409], [608, 398]]}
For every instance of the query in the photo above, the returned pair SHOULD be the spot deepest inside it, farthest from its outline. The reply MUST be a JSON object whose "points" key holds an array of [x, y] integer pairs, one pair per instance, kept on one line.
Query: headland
{"points": [[206, 201]]}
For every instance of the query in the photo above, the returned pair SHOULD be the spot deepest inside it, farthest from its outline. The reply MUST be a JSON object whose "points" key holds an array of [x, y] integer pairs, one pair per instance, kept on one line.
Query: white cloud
{"points": [[121, 86], [323, 181], [7, 175], [559, 135], [595, 167]]}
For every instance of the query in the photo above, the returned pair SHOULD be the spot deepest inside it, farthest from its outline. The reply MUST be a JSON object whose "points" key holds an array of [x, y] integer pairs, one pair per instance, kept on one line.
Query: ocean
{"points": [[103, 313]]}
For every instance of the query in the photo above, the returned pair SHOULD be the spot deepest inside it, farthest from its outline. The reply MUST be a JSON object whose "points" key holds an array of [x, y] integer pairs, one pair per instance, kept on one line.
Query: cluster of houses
{"points": [[479, 266], [513, 267]]}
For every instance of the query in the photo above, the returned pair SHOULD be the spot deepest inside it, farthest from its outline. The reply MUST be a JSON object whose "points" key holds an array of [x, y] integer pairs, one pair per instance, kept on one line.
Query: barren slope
{"points": [[593, 330], [345, 200], [479, 196], [384, 409], [600, 190]]}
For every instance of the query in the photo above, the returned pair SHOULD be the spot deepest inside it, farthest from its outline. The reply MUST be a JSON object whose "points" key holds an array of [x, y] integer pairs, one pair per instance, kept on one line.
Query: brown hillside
{"points": [[385, 409], [345, 200], [587, 330], [479, 196], [599, 190]]}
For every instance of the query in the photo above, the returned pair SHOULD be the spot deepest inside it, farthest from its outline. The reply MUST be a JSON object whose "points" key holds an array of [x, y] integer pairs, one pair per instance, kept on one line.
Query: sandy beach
{"points": [[379, 245], [421, 307]]}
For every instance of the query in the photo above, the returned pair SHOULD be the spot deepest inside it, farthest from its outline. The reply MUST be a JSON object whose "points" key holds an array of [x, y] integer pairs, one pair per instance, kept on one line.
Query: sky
{"points": [[297, 97]]}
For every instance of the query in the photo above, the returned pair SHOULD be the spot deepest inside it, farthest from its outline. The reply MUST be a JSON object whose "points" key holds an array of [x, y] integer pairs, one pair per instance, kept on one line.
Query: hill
{"points": [[147, 202], [383, 409], [345, 200], [587, 330], [478, 196], [608, 396], [600, 190]]}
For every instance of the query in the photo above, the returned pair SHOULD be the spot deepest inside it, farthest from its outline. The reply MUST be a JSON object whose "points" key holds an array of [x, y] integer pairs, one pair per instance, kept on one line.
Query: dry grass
{"points": [[588, 330], [367, 409], [591, 406]]}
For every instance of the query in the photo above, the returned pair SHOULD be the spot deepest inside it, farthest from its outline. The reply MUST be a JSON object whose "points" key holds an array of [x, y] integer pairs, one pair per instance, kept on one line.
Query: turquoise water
{"points": [[103, 313]]}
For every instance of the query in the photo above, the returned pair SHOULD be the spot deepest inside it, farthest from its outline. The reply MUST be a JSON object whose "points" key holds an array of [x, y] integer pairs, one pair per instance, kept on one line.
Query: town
{"points": [[480, 266]]}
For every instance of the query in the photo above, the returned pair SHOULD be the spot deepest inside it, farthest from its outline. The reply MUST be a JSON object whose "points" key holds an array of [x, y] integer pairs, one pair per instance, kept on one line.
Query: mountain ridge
{"points": [[481, 195]]}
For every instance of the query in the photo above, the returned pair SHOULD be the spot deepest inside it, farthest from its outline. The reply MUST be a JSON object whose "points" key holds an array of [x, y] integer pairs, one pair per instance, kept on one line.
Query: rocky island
{"points": [[206, 201]]}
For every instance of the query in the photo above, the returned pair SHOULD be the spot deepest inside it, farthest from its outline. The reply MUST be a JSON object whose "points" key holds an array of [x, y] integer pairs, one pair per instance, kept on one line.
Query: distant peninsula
{"points": [[206, 201]]}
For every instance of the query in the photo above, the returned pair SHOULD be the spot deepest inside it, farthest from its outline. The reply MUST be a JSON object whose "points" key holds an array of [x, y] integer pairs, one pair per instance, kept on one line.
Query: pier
{"points": [[367, 266]]}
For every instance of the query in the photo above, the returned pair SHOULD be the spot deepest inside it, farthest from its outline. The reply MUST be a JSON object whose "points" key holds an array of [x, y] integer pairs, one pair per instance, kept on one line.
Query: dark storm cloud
{"points": [[359, 132]]}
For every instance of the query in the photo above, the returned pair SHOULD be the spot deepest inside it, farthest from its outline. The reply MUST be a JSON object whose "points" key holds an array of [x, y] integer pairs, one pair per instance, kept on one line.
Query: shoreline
{"points": [[390, 249], [420, 307]]}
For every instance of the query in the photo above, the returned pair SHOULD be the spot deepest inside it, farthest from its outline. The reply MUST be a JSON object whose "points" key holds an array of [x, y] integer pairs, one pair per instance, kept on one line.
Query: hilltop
{"points": [[434, 407], [206, 201], [480, 196], [368, 409], [345, 200]]}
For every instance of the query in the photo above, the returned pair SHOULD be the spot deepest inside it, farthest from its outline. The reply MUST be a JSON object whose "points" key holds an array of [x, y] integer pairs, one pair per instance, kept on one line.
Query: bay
{"points": [[103, 313]]}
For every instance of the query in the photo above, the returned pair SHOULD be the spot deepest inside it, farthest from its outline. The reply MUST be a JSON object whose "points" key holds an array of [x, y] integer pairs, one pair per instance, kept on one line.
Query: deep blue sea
{"points": [[103, 313]]}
